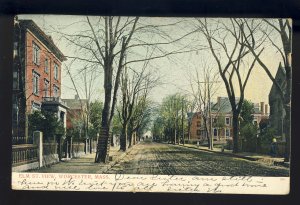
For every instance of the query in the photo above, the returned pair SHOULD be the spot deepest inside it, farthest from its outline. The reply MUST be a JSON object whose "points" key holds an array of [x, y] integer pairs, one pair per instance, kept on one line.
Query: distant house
{"points": [[36, 76], [277, 111], [221, 119], [76, 112], [221, 123], [195, 126]]}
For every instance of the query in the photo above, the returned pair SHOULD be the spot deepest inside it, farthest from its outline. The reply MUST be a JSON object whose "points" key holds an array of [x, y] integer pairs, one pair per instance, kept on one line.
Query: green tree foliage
{"points": [[96, 114], [46, 122], [249, 138], [116, 125], [247, 113], [158, 128], [169, 118], [141, 117], [248, 130], [266, 133], [77, 131]]}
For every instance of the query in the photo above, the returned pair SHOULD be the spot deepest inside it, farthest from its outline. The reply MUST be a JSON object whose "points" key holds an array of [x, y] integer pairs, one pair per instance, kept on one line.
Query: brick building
{"points": [[76, 112], [36, 76], [222, 120], [195, 127]]}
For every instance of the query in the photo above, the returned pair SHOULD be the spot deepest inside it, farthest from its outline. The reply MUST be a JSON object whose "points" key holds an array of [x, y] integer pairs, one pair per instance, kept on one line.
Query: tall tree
{"points": [[227, 45], [283, 28], [170, 113], [133, 85], [105, 41], [247, 129], [141, 118]]}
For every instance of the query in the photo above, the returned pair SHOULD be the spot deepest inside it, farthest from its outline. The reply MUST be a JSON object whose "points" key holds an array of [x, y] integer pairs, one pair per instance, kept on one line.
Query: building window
{"points": [[36, 54], [56, 91], [55, 71], [215, 132], [227, 121], [35, 83], [46, 65], [198, 132], [198, 123], [227, 132], [46, 88]]}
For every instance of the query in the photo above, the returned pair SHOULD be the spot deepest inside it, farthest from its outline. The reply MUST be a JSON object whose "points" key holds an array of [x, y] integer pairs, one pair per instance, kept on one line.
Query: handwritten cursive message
{"points": [[151, 183]]}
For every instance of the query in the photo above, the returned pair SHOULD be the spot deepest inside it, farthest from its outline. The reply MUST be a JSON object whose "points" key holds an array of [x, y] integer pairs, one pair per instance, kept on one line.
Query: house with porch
{"points": [[221, 123], [36, 86]]}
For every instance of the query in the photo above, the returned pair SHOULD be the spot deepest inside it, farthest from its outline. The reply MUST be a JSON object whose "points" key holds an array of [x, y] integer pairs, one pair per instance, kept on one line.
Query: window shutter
{"points": [[38, 84], [33, 52], [33, 86], [38, 56]]}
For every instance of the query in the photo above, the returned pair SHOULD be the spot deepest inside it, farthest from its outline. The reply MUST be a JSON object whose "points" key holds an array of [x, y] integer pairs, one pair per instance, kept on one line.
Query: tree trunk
{"points": [[104, 138], [211, 147], [103, 146], [134, 138], [207, 134], [130, 139], [235, 134], [112, 140], [189, 132], [123, 138], [175, 136]]}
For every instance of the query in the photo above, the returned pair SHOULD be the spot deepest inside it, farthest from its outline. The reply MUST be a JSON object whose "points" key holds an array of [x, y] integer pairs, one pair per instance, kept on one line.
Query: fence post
{"points": [[38, 140], [71, 147], [59, 150], [67, 149]]}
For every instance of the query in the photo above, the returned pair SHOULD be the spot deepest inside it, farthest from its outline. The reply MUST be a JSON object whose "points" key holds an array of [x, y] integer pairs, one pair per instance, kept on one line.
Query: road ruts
{"points": [[157, 158]]}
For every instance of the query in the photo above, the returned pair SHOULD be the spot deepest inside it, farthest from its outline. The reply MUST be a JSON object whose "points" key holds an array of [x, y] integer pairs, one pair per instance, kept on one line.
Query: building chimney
{"points": [[266, 109], [262, 106], [218, 102]]}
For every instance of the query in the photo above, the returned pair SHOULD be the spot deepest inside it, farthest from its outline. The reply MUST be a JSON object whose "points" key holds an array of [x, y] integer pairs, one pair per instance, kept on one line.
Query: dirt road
{"points": [[157, 158]]}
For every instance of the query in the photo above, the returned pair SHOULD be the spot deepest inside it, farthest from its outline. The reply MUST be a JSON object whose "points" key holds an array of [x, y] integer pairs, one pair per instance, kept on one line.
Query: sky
{"points": [[175, 72]]}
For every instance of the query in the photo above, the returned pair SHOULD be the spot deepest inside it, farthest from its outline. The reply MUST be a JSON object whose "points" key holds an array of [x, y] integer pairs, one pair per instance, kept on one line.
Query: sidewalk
{"points": [[86, 163], [267, 159]]}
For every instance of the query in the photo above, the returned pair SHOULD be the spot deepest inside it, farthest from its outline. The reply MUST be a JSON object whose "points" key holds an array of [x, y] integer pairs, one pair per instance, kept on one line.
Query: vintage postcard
{"points": [[152, 104]]}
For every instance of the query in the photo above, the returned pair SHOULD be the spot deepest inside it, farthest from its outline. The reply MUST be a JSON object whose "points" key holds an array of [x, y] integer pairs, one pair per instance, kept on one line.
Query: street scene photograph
{"points": [[152, 96]]}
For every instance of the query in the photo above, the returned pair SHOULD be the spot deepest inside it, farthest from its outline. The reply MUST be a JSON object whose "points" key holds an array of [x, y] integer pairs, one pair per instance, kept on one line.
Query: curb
{"points": [[275, 163], [222, 153]]}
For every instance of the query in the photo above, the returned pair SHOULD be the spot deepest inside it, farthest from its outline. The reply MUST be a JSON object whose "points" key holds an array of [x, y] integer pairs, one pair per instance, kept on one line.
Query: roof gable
{"points": [[280, 79], [43, 37]]}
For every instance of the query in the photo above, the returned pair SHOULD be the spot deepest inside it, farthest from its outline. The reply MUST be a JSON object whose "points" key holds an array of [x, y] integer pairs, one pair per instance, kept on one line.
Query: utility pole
{"points": [[207, 83]]}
